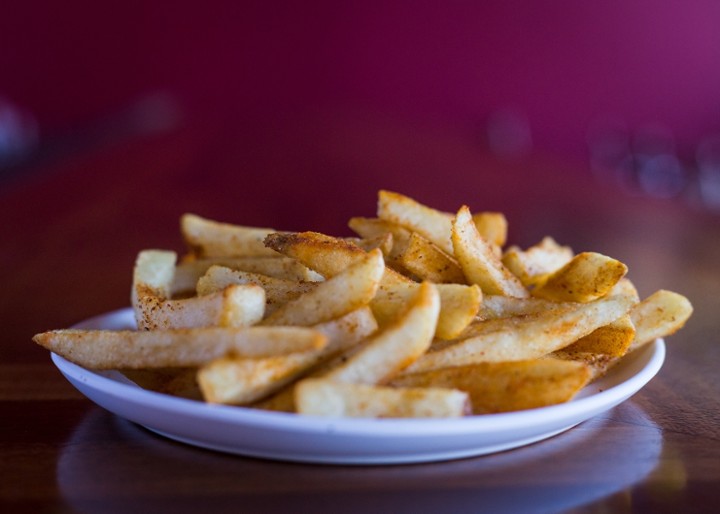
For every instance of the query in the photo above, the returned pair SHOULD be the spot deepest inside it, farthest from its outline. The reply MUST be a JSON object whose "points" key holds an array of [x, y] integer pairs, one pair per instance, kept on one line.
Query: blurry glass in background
{"points": [[708, 162], [646, 161], [18, 134], [23, 145], [656, 165]]}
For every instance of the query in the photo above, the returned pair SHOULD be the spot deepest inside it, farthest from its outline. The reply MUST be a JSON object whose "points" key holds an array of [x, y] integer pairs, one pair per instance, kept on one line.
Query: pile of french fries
{"points": [[424, 314]]}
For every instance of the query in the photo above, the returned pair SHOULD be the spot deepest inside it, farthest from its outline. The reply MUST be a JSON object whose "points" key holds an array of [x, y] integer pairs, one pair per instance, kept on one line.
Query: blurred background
{"points": [[275, 110], [594, 122]]}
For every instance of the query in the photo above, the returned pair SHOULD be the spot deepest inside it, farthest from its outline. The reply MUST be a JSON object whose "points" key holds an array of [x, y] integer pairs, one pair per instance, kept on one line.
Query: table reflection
{"points": [[106, 457]]}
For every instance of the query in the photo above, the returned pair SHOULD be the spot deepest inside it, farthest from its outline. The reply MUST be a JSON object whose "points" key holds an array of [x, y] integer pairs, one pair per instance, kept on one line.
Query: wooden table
{"points": [[72, 226]]}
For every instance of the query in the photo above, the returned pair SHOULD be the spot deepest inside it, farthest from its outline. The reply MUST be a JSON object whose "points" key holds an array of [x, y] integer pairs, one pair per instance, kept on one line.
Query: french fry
{"points": [[236, 380], [153, 276], [597, 363], [433, 224], [342, 334], [329, 256], [130, 349], [153, 273], [498, 306], [351, 289], [209, 238], [531, 266], [625, 287], [384, 354], [527, 337], [323, 254], [234, 306], [277, 291], [318, 397], [427, 261], [478, 260], [613, 339], [587, 277], [396, 346], [507, 386], [188, 273], [430, 223], [384, 242], [659, 315], [347, 331], [239, 381], [459, 304], [375, 227], [493, 227], [412, 254]]}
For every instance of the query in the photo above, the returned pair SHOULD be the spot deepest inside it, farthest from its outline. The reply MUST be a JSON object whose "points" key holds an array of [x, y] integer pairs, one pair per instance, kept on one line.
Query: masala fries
{"points": [[424, 314]]}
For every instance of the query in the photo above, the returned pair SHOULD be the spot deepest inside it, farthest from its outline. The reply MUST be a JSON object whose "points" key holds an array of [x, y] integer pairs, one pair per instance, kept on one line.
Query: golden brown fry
{"points": [[396, 346], [108, 349], [324, 254], [234, 306], [277, 291], [587, 277], [426, 261], [342, 335], [153, 273], [492, 226], [318, 397], [239, 381], [375, 227], [531, 266], [384, 242], [507, 386], [527, 337], [430, 223], [153, 276], [188, 273], [329, 256], [498, 306], [459, 305], [613, 339], [659, 315], [351, 289], [346, 332], [384, 354], [597, 363], [209, 238], [478, 260], [625, 287]]}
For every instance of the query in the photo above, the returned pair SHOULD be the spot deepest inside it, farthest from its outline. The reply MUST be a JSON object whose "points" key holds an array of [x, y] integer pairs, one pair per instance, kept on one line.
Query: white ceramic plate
{"points": [[283, 436]]}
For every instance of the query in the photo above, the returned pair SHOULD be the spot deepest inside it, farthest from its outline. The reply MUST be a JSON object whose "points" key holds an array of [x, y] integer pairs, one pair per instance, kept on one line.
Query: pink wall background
{"points": [[560, 64]]}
